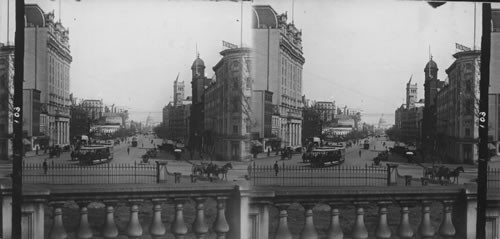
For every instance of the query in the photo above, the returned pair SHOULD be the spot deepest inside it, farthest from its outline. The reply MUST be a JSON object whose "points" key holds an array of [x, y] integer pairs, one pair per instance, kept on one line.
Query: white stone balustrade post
{"points": [[359, 230], [426, 230], [134, 228], [83, 231], [179, 228], [446, 229], [383, 231], [157, 228], [220, 226], [308, 232], [405, 231], [283, 232], [58, 231], [200, 227], [109, 229], [335, 230]]}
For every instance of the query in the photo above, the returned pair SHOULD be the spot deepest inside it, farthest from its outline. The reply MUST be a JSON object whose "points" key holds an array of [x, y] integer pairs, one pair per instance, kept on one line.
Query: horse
{"points": [[455, 173], [223, 170]]}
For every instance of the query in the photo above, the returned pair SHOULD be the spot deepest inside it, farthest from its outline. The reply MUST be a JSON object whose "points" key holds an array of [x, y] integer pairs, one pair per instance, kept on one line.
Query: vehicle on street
{"points": [[134, 141], [328, 155], [95, 154], [366, 144]]}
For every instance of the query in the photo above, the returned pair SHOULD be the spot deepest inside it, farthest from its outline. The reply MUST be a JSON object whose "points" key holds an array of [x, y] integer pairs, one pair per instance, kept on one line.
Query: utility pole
{"points": [[483, 123], [17, 183]]}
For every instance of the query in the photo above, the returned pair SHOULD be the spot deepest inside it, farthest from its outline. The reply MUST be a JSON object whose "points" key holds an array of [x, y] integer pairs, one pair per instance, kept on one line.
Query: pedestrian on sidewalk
{"points": [[45, 166], [360, 153], [36, 150], [268, 152], [276, 168], [128, 150]]}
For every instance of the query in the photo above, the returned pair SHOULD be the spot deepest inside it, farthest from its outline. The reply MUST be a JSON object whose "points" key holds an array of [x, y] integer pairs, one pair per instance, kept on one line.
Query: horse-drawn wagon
{"points": [[211, 170], [441, 175]]}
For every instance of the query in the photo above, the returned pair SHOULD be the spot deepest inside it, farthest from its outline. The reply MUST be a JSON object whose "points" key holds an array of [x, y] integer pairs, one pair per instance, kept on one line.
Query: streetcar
{"points": [[327, 155], [95, 154]]}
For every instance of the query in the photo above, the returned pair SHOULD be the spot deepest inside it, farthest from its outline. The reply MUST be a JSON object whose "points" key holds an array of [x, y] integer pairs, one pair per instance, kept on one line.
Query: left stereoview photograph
{"points": [[137, 119]]}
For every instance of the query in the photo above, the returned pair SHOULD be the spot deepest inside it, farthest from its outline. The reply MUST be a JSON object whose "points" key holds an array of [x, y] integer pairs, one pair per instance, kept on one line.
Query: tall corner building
{"points": [[47, 60], [278, 68], [227, 102]]}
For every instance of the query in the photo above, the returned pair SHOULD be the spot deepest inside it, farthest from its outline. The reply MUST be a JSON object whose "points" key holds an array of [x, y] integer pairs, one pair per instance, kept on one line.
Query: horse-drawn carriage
{"points": [[211, 170], [441, 175], [150, 153]]}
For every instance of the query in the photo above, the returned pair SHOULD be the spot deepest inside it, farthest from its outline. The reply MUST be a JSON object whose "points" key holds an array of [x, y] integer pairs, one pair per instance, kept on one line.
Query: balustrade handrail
{"points": [[119, 191], [346, 194]]}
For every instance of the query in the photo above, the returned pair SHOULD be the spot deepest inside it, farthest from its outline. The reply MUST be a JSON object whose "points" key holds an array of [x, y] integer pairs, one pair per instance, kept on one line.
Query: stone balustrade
{"points": [[141, 213], [444, 212], [234, 211]]}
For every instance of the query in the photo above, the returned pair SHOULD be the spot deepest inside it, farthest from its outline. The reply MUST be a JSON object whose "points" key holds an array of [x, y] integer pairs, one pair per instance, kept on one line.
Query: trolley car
{"points": [[95, 154], [323, 156]]}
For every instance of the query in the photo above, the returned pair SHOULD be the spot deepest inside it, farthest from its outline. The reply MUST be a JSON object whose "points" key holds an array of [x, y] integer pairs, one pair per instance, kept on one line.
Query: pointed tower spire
{"points": [[409, 82]]}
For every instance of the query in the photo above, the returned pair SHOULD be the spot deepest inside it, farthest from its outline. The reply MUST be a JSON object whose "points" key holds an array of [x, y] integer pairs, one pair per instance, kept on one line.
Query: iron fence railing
{"points": [[294, 175], [34, 173]]}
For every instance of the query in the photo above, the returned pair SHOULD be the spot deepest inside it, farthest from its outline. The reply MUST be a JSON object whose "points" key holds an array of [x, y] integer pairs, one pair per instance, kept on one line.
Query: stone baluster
{"points": [[200, 227], [220, 226], [57, 231], [134, 228], [179, 228], [359, 230], [383, 231], [283, 232], [309, 232], [109, 230], [335, 231], [404, 229], [425, 230], [446, 229], [157, 228], [83, 231]]}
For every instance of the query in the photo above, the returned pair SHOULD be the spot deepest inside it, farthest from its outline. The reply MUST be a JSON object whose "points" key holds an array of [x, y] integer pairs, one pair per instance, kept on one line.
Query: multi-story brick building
{"points": [[408, 117], [47, 60], [227, 106], [494, 91], [278, 67], [94, 108], [457, 109]]}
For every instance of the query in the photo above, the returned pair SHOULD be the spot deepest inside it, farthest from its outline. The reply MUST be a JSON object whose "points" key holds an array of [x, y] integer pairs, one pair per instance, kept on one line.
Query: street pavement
{"points": [[134, 156], [366, 159], [240, 169]]}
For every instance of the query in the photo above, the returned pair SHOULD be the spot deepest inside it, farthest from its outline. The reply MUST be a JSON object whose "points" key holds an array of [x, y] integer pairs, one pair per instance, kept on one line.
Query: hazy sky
{"points": [[362, 53], [358, 53], [129, 52]]}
